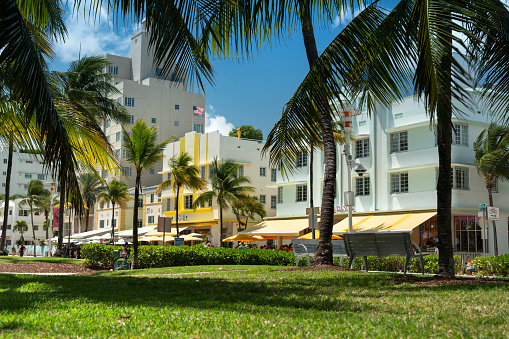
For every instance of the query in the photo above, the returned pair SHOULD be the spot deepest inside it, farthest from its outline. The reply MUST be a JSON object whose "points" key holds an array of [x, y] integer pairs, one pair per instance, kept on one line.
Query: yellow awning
{"points": [[243, 237], [317, 235], [169, 238], [384, 222], [274, 228]]}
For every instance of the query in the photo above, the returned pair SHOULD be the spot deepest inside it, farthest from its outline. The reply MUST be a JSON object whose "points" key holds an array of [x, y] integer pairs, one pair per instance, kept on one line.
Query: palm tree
{"points": [[115, 193], [183, 174], [226, 188], [21, 227], [143, 152], [248, 210], [90, 186], [35, 191], [492, 158]]}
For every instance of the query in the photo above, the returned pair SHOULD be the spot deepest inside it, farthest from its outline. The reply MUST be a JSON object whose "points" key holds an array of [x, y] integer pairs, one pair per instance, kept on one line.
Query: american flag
{"points": [[198, 110]]}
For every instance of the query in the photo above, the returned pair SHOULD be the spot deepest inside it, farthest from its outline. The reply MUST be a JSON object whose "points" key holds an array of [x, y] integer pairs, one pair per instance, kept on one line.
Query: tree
{"points": [[90, 186], [35, 191], [21, 227], [115, 193], [183, 174], [492, 159], [143, 152], [247, 132], [226, 188], [248, 210]]}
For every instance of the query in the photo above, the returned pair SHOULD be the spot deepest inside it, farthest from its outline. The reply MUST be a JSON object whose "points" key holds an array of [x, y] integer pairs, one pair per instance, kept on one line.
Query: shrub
{"points": [[492, 266], [98, 255]]}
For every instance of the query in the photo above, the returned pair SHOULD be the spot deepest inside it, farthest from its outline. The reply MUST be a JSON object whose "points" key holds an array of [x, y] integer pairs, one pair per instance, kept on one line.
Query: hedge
{"points": [[492, 266]]}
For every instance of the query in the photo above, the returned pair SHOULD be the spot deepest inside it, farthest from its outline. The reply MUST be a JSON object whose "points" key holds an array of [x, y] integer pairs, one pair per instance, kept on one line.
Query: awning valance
{"points": [[384, 222], [288, 228]]}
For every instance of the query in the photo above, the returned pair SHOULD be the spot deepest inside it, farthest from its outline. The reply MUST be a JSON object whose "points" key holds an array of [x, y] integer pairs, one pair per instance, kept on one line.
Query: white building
{"points": [[165, 103], [398, 148], [203, 148]]}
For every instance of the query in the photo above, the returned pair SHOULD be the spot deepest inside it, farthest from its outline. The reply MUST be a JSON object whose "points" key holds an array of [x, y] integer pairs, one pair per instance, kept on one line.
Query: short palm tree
{"points": [[492, 159], [143, 152], [248, 210], [183, 174], [21, 227], [227, 188], [115, 193], [35, 191], [90, 186]]}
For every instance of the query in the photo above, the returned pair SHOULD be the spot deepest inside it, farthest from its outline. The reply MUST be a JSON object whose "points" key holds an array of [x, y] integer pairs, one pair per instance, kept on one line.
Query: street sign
{"points": [[482, 207], [178, 241], [494, 213]]}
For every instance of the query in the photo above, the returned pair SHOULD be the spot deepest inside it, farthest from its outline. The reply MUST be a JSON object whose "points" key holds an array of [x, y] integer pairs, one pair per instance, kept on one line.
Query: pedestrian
{"points": [[242, 246], [21, 250], [54, 250], [13, 250], [64, 251], [78, 252]]}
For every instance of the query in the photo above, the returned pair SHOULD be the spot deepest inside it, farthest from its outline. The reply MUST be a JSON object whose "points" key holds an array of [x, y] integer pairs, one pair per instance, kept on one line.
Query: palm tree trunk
{"points": [[33, 230], [177, 214], [7, 193], [490, 200], [323, 255], [69, 233], [221, 226], [87, 216], [311, 171], [61, 214], [444, 187], [135, 220], [113, 222]]}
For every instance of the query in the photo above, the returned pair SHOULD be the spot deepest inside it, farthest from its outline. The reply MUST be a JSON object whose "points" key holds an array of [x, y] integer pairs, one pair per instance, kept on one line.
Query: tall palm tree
{"points": [[492, 159], [183, 174], [90, 186], [143, 152], [21, 227], [35, 191], [248, 210], [115, 193], [227, 188]]}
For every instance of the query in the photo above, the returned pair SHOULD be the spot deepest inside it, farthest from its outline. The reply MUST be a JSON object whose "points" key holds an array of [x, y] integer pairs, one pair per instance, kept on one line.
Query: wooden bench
{"points": [[307, 248], [386, 244]]}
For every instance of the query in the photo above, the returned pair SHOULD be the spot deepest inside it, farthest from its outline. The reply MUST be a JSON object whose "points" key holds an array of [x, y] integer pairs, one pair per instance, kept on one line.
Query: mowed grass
{"points": [[31, 259], [259, 303]]}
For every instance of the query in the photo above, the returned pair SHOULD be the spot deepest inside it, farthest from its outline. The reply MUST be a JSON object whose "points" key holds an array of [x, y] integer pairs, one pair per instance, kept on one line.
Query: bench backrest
{"points": [[378, 244], [338, 246]]}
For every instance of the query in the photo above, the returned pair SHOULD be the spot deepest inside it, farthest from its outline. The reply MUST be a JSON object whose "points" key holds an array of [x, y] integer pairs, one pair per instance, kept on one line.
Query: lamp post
{"points": [[50, 226], [346, 115]]}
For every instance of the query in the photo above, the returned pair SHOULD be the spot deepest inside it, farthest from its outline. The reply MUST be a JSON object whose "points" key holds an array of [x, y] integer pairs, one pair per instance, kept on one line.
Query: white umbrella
{"points": [[195, 235]]}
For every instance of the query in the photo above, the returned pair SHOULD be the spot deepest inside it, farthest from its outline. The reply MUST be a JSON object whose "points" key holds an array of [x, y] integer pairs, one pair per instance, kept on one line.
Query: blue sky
{"points": [[249, 92]]}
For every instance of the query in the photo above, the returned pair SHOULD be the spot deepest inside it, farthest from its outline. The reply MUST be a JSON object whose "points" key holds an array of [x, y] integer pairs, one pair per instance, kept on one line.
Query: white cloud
{"points": [[99, 38], [345, 19], [215, 122]]}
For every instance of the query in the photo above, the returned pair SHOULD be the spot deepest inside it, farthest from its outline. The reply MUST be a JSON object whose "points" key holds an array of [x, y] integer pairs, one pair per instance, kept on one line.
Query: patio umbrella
{"points": [[195, 235], [243, 237]]}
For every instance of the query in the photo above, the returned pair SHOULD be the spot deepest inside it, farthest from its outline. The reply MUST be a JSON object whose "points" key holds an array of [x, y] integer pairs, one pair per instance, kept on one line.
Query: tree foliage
{"points": [[247, 132]]}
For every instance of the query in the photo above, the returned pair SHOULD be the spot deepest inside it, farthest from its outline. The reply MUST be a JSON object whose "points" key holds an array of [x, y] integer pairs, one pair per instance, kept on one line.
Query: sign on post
{"points": [[482, 207], [493, 213], [163, 224]]}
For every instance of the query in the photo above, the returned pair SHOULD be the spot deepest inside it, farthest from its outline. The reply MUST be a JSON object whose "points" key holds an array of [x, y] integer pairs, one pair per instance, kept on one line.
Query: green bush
{"points": [[98, 255], [492, 266]]}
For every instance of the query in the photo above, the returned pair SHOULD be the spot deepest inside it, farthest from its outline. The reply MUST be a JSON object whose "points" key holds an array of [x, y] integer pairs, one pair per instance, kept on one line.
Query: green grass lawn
{"points": [[256, 303], [27, 260]]}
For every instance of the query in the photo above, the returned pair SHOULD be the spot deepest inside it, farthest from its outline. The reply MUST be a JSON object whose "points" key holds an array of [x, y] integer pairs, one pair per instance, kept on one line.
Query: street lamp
{"points": [[50, 234], [346, 115]]}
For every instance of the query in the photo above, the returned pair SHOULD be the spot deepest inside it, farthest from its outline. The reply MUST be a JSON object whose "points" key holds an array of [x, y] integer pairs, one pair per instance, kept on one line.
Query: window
{"points": [[150, 219], [159, 72], [117, 153], [168, 204], [36, 227], [129, 102], [198, 128], [108, 138], [151, 198], [302, 193], [262, 171], [468, 235], [273, 201], [177, 107], [169, 176], [128, 171], [9, 226], [188, 202], [108, 123], [211, 172], [119, 100], [203, 172], [262, 199], [152, 171], [4, 172], [101, 223], [28, 175], [40, 176], [23, 213], [302, 159], [124, 153], [461, 181], [140, 223], [399, 142], [140, 203], [280, 195], [113, 70], [210, 203], [176, 123], [494, 187], [29, 162], [460, 135], [399, 183], [362, 186], [240, 171], [362, 148], [105, 174], [154, 120], [117, 136], [5, 161], [131, 119], [273, 175]]}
